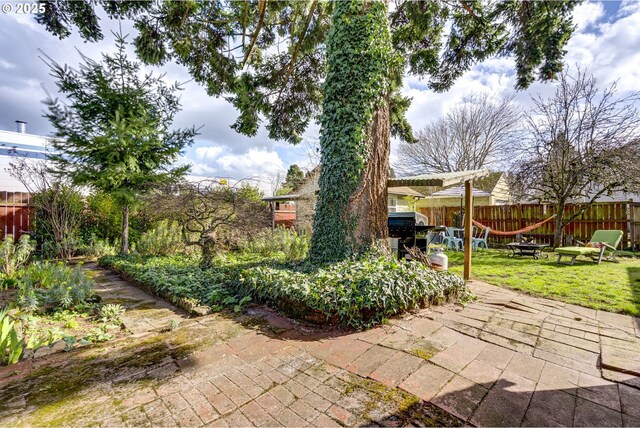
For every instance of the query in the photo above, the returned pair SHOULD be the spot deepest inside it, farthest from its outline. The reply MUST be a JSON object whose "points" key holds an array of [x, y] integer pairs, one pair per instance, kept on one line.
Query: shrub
{"points": [[164, 240], [14, 256], [357, 292], [57, 219], [102, 218], [96, 247], [282, 243], [44, 285]]}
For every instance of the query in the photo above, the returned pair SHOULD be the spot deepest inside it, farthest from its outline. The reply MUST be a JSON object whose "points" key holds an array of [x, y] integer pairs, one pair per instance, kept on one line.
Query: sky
{"points": [[606, 43]]}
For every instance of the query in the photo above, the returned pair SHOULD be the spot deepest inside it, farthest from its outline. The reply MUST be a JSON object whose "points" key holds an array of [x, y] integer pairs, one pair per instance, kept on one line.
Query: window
{"points": [[392, 201]]}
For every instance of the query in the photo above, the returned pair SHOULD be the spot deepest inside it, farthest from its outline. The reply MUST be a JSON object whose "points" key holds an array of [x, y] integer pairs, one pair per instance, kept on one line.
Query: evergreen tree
{"points": [[293, 179], [113, 131], [292, 61]]}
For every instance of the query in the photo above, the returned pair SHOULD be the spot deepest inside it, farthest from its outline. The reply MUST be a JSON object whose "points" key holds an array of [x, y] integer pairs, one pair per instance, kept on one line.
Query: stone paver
{"points": [[504, 360]]}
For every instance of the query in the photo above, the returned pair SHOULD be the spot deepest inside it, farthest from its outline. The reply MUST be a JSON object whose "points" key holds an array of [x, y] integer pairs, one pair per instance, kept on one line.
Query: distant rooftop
{"points": [[457, 192], [442, 179]]}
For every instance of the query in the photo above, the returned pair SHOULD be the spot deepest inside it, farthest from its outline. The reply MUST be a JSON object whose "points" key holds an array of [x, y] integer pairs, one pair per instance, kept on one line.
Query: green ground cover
{"points": [[356, 292], [613, 287]]}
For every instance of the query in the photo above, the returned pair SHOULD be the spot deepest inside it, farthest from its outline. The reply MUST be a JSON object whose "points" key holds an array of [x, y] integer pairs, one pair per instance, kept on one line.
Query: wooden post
{"points": [[273, 215], [468, 210], [632, 225]]}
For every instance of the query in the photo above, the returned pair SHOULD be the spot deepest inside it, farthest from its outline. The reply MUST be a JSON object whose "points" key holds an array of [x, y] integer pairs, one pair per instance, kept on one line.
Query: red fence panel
{"points": [[16, 214]]}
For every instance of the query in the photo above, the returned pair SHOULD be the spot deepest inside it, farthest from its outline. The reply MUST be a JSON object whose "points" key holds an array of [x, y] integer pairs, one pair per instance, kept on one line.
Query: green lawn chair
{"points": [[603, 243]]}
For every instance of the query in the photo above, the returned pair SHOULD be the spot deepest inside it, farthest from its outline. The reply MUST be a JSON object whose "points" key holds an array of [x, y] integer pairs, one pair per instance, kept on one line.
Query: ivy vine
{"points": [[360, 60]]}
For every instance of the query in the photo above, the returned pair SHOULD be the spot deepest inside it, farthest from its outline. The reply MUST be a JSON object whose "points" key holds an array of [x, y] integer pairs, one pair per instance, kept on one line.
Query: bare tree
{"points": [[582, 143], [58, 204], [212, 214], [477, 133]]}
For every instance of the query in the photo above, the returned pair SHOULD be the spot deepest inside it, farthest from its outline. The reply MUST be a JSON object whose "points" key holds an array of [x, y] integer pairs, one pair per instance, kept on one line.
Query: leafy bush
{"points": [[58, 216], [11, 345], [102, 218], [164, 240], [44, 285], [14, 256], [357, 292], [282, 243], [96, 247]]}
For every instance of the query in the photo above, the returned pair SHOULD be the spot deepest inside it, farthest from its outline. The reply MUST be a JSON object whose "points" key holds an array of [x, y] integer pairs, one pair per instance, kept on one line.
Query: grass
{"points": [[613, 287]]}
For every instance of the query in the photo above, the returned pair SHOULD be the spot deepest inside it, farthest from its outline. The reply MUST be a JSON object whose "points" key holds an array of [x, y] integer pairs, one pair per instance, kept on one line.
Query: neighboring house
{"points": [[15, 211], [18, 144], [304, 198], [401, 199], [490, 190]]}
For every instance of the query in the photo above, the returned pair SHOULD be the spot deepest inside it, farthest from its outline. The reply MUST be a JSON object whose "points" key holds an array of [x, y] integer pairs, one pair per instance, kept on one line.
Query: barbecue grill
{"points": [[404, 226]]}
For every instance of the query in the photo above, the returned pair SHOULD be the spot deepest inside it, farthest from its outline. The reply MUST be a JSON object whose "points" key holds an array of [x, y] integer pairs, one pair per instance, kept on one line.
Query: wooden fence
{"points": [[623, 216], [16, 213]]}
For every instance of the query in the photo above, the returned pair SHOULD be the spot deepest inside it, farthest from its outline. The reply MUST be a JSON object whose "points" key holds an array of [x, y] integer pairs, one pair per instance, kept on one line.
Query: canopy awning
{"points": [[440, 179], [291, 197]]}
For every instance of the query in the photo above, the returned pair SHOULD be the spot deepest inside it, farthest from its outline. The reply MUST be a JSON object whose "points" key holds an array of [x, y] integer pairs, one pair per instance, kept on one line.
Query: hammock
{"points": [[514, 232]]}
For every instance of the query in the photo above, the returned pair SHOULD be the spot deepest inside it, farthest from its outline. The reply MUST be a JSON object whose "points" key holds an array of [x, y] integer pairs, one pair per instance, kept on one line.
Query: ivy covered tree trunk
{"points": [[124, 238], [354, 138]]}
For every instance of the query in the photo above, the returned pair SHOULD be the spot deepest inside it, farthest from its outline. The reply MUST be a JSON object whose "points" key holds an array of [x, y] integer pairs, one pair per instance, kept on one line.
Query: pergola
{"points": [[446, 179]]}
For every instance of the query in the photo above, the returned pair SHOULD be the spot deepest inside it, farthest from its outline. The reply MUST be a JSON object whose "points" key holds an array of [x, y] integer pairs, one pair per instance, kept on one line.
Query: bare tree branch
{"points": [[582, 143], [480, 132]]}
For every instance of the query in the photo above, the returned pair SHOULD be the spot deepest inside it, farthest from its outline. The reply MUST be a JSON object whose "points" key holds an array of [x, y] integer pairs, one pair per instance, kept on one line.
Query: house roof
{"points": [[457, 192], [289, 197], [489, 182], [405, 191], [443, 179]]}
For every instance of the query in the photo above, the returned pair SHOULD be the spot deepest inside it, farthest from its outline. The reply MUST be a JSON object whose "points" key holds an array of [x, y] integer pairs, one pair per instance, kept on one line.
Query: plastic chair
{"points": [[451, 240], [476, 243]]}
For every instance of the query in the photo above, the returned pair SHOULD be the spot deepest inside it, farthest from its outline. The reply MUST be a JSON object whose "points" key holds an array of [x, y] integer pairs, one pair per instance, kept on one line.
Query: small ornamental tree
{"points": [[113, 131], [212, 216], [292, 61], [583, 142]]}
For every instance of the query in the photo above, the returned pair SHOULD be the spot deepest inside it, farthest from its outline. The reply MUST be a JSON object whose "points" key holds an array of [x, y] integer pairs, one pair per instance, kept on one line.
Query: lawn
{"points": [[609, 286]]}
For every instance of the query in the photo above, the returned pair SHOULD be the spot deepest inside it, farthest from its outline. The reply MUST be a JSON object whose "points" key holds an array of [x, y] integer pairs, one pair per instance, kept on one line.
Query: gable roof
{"points": [[457, 192], [438, 179], [405, 191], [489, 182]]}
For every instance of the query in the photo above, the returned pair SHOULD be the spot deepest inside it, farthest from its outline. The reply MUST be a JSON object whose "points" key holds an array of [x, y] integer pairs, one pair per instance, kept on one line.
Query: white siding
{"points": [[15, 144]]}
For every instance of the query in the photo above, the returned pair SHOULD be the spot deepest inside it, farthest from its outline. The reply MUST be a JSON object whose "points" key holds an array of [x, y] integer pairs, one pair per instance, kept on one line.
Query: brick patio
{"points": [[504, 360]]}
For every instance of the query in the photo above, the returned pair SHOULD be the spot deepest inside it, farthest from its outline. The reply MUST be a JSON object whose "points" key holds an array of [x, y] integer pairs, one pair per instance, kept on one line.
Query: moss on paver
{"points": [[86, 386], [394, 407]]}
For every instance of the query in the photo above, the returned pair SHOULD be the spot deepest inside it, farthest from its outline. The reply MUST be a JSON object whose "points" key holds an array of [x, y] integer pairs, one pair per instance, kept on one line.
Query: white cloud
{"points": [[587, 14], [604, 45], [208, 152], [254, 162]]}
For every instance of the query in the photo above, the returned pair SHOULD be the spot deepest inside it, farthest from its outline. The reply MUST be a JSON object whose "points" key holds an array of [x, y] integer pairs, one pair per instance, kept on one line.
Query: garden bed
{"points": [[356, 293]]}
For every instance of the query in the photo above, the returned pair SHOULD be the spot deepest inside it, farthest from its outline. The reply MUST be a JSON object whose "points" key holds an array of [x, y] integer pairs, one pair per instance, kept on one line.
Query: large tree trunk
{"points": [[368, 204], [351, 208], [124, 238]]}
